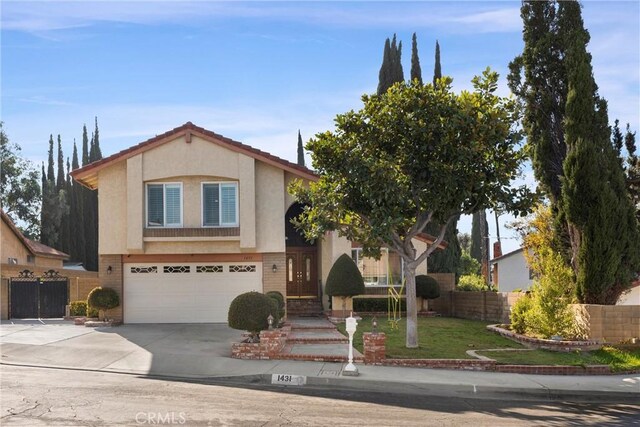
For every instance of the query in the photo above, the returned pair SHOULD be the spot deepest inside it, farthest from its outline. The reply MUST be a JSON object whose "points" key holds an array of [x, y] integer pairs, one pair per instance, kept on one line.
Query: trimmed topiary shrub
{"points": [[344, 278], [103, 299], [277, 296], [427, 287], [78, 308], [249, 312]]}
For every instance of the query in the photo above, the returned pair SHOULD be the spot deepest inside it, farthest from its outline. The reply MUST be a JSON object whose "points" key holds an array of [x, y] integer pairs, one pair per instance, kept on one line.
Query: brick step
{"points": [[318, 340], [318, 358]]}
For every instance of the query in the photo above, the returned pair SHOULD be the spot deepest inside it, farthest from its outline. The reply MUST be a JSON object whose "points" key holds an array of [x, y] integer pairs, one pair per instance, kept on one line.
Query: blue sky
{"points": [[258, 71]]}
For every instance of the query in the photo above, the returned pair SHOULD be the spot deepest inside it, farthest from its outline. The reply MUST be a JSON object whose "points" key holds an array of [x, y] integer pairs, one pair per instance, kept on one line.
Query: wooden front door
{"points": [[302, 272]]}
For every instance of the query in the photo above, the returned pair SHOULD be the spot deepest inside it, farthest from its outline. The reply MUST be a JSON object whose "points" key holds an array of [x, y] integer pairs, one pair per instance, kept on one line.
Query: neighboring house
{"points": [[632, 297], [19, 250], [510, 272], [190, 219]]}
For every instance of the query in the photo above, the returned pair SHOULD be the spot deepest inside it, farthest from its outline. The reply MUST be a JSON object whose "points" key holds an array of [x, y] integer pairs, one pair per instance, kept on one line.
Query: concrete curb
{"points": [[468, 391]]}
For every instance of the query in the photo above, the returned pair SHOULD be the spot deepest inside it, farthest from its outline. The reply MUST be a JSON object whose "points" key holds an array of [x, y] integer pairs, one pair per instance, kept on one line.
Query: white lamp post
{"points": [[351, 326]]}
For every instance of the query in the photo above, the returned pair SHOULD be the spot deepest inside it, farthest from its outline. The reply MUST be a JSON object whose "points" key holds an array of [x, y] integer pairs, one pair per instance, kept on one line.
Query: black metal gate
{"points": [[38, 297]]}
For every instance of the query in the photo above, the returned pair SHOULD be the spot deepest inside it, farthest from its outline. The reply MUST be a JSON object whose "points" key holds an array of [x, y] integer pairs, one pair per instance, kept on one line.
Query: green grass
{"points": [[449, 338], [618, 359], [438, 337]]}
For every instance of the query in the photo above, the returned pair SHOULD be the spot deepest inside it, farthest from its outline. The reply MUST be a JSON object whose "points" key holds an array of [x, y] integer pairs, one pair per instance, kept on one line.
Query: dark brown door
{"points": [[302, 273]]}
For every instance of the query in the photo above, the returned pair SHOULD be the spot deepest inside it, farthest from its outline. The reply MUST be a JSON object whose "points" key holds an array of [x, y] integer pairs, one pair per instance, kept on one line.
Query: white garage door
{"points": [[186, 292]]}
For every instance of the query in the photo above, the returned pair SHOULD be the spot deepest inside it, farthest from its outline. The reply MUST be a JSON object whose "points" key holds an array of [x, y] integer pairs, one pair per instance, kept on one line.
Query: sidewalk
{"points": [[201, 352]]}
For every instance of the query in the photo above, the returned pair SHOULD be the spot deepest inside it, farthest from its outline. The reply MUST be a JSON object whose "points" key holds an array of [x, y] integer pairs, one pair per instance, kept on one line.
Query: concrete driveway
{"points": [[164, 349]]}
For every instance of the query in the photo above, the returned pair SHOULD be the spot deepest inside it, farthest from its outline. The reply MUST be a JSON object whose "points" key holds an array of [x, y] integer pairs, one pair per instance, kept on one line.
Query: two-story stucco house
{"points": [[190, 219]]}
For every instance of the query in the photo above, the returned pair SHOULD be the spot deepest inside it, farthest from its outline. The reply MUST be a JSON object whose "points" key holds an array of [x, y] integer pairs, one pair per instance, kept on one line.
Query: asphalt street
{"points": [[60, 397]]}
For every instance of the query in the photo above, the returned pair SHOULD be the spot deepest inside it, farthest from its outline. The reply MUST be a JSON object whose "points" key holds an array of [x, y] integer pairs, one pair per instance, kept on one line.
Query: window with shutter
{"points": [[164, 205], [220, 204]]}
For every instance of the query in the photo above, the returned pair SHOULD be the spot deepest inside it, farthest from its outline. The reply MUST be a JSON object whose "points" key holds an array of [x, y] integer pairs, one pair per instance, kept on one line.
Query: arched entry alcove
{"points": [[301, 259]]}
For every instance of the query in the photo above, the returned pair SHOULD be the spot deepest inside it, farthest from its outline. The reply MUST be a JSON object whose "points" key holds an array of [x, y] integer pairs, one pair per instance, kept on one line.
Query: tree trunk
{"points": [[412, 308]]}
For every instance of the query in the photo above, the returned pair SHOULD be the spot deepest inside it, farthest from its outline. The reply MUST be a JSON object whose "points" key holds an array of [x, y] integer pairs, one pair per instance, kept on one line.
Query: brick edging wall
{"points": [[271, 344], [565, 346]]}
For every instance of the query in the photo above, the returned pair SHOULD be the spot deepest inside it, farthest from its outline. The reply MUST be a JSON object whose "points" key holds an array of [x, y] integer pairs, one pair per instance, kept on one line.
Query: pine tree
{"points": [[437, 69], [416, 71], [300, 150], [60, 175]]}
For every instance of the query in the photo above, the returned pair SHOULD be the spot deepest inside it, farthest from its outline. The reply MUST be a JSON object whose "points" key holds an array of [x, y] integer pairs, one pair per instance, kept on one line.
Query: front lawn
{"points": [[439, 338], [618, 359], [450, 338]]}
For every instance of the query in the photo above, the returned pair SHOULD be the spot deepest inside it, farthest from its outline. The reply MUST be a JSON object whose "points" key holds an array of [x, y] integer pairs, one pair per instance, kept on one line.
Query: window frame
{"points": [[164, 205], [237, 199]]}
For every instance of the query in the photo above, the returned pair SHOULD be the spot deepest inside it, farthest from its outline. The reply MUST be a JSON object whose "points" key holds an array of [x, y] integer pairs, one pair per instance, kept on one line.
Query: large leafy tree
{"points": [[20, 192], [451, 154]]}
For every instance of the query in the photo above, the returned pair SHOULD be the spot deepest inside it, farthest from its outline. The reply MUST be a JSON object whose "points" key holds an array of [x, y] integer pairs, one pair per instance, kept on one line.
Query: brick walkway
{"points": [[316, 339]]}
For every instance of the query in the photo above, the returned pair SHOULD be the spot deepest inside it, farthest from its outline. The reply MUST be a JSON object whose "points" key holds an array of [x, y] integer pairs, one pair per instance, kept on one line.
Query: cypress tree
{"points": [[90, 200], [416, 71], [60, 175], [50, 173], [479, 240], [437, 69], [300, 150], [77, 213], [43, 216], [391, 68], [538, 77], [602, 227], [65, 223], [383, 76]]}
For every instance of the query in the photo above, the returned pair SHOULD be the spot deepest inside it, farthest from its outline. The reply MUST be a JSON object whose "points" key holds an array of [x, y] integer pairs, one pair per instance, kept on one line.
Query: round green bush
{"points": [[427, 287], [78, 308], [103, 298], [249, 312], [344, 278]]}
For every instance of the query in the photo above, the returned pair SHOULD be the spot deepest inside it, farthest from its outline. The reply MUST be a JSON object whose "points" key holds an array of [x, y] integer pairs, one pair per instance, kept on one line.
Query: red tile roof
{"points": [[84, 174], [36, 248]]}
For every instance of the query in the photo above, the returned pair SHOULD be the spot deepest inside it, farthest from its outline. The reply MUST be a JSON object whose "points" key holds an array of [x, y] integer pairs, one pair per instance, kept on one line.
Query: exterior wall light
{"points": [[274, 268], [109, 270]]}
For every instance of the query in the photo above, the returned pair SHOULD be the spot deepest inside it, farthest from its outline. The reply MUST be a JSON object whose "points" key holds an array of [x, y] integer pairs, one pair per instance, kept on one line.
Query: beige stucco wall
{"points": [[112, 209], [261, 195], [270, 211], [12, 247]]}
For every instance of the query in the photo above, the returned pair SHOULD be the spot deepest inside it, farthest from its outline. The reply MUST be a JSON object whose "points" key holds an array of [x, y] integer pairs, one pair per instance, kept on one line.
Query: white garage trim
{"points": [[185, 292]]}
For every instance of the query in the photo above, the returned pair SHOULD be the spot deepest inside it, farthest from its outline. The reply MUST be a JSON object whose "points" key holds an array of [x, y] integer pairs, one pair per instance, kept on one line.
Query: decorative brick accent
{"points": [[270, 346], [374, 348], [566, 346]]}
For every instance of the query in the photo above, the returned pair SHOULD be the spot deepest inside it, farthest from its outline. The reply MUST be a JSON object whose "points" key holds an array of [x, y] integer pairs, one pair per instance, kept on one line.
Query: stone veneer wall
{"points": [[113, 280], [609, 323]]}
